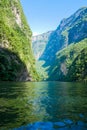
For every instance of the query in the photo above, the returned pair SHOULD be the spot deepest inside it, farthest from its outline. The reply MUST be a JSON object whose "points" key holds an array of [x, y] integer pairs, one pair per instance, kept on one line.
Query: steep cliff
{"points": [[39, 43], [72, 29], [64, 46], [15, 37]]}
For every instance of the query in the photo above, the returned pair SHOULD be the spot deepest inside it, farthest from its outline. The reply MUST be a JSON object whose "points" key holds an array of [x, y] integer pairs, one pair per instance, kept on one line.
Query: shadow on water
{"points": [[43, 106]]}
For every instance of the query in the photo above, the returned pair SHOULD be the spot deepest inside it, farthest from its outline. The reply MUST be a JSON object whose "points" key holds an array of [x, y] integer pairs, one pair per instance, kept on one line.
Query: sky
{"points": [[45, 15]]}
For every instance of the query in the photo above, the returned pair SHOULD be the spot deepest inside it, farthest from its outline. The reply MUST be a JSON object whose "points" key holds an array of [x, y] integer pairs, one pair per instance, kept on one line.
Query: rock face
{"points": [[16, 13], [72, 29], [15, 37], [64, 46], [39, 43]]}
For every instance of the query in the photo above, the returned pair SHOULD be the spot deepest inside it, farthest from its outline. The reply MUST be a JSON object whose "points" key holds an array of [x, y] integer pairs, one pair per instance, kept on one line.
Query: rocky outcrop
{"points": [[17, 14]]}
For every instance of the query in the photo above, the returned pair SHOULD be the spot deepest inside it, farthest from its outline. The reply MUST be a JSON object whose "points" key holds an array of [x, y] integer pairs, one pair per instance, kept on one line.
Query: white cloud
{"points": [[35, 33]]}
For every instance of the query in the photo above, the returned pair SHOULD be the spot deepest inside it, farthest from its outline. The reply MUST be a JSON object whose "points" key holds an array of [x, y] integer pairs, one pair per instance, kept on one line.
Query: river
{"points": [[43, 106]]}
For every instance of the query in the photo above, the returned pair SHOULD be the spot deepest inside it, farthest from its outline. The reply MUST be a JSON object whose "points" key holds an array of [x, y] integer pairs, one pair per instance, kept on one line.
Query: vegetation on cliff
{"points": [[65, 44], [70, 63], [11, 67], [72, 29], [15, 34]]}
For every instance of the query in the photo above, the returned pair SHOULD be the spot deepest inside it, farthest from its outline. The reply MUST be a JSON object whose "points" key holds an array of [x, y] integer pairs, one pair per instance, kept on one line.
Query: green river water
{"points": [[43, 106]]}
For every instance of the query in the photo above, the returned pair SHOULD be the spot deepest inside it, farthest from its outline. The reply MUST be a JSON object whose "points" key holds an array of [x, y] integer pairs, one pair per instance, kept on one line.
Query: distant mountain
{"points": [[64, 46], [39, 43], [17, 62]]}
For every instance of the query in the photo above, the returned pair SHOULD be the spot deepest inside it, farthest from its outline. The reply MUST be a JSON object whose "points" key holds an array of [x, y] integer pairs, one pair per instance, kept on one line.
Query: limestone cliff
{"points": [[15, 37]]}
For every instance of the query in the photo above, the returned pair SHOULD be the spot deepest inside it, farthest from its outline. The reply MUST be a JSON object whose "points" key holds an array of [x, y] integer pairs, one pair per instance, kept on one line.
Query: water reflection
{"points": [[46, 103]]}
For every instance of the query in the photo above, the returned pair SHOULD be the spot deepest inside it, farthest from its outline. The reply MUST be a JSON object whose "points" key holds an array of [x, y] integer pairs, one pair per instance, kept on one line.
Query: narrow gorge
{"points": [[43, 78], [57, 52]]}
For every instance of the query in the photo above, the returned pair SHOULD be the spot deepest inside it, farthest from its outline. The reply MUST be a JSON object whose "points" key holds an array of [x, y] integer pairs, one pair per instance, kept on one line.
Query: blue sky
{"points": [[45, 15]]}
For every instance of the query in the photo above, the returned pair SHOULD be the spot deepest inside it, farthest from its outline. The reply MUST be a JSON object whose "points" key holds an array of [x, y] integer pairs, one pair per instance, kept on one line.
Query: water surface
{"points": [[43, 106]]}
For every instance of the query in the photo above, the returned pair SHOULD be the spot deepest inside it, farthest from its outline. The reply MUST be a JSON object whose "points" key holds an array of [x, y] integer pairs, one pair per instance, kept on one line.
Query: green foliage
{"points": [[41, 70], [16, 37], [10, 66], [64, 45], [78, 69], [72, 29], [65, 61]]}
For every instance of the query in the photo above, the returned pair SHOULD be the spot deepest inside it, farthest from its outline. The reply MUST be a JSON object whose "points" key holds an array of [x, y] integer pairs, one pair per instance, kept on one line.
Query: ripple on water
{"points": [[66, 125], [68, 121], [59, 124]]}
